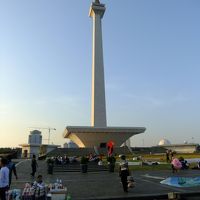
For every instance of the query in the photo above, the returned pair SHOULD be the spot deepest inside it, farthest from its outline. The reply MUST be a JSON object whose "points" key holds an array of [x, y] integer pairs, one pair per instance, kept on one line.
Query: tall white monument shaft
{"points": [[98, 110]]}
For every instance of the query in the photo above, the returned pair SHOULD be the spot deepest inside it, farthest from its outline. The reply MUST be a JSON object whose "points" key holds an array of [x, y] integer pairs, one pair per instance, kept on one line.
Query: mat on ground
{"points": [[182, 181]]}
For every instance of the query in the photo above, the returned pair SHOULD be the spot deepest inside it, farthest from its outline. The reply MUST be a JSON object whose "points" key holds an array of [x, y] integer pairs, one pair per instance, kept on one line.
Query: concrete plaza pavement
{"points": [[104, 185]]}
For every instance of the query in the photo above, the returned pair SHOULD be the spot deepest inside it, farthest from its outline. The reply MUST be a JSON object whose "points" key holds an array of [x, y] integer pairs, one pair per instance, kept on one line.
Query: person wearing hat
{"points": [[124, 172]]}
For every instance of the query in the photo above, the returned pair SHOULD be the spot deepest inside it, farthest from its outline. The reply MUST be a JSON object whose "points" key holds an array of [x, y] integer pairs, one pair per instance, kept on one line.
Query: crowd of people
{"points": [[126, 178], [64, 160], [8, 168], [178, 163], [61, 160]]}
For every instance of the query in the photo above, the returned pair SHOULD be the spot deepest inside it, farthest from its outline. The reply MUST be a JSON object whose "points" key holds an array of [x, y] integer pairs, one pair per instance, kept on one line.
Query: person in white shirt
{"points": [[39, 187], [124, 172], [4, 179]]}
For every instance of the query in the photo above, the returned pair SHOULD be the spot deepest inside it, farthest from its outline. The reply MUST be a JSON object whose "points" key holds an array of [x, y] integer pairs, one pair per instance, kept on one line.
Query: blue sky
{"points": [[151, 59]]}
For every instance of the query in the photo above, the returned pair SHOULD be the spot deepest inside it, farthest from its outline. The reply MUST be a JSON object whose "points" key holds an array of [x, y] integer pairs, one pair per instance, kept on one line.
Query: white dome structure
{"points": [[164, 142]]}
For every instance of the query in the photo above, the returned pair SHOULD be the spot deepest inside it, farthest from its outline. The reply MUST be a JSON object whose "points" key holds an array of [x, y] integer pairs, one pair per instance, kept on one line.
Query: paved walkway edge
{"points": [[146, 197]]}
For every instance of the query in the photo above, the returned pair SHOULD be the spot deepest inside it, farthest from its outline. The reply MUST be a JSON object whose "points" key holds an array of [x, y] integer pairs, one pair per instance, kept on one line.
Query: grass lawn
{"points": [[153, 157], [162, 157], [149, 167], [156, 157]]}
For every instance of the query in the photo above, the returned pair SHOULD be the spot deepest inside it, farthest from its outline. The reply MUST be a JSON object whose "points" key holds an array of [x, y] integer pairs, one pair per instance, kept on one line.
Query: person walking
{"points": [[124, 172], [4, 179], [34, 166], [12, 169]]}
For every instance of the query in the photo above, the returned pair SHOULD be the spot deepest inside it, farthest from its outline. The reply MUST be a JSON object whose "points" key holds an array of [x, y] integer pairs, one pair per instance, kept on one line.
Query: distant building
{"points": [[179, 148], [35, 146], [70, 144], [35, 137]]}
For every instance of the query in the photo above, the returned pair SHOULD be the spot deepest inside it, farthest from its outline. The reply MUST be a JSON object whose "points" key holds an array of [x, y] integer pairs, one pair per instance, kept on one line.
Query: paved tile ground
{"points": [[104, 184]]}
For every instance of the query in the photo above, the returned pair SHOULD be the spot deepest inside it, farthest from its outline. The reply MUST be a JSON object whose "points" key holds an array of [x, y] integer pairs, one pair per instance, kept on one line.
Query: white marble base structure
{"points": [[94, 136]]}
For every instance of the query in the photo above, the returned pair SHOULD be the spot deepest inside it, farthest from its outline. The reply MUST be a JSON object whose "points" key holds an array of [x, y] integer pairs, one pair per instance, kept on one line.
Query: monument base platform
{"points": [[86, 136]]}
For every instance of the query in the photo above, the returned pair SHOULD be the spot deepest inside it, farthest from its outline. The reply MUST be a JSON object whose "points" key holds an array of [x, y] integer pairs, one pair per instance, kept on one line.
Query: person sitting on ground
{"points": [[184, 163], [39, 187], [61, 160], [176, 164], [94, 158]]}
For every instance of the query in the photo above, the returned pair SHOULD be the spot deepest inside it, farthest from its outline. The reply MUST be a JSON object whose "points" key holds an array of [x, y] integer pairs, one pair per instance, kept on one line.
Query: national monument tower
{"points": [[98, 134]]}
